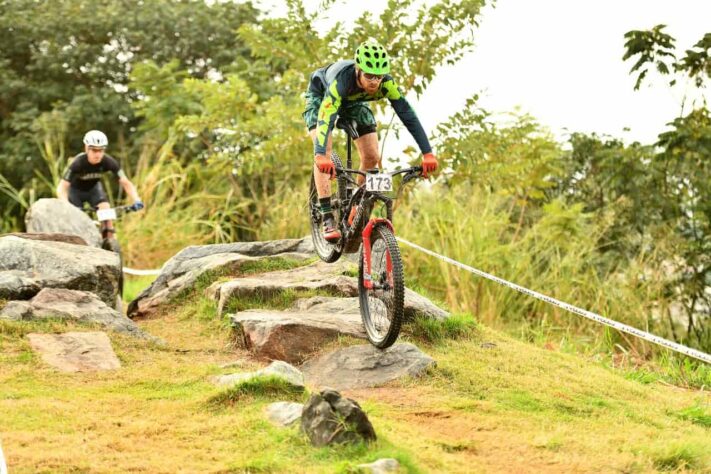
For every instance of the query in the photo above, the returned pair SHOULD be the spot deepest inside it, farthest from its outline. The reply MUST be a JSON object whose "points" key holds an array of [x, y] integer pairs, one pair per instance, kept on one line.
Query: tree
{"points": [[75, 57]]}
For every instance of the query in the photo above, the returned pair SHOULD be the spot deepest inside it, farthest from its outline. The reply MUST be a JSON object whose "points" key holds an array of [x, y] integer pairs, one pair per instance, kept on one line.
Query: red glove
{"points": [[429, 164], [325, 165]]}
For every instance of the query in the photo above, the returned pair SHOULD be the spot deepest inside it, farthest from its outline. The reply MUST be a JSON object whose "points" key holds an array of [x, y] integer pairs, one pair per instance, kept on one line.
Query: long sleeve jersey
{"points": [[337, 84]]}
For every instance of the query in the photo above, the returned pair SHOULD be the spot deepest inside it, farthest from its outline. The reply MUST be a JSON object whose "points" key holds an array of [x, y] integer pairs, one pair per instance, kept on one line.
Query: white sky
{"points": [[560, 61]]}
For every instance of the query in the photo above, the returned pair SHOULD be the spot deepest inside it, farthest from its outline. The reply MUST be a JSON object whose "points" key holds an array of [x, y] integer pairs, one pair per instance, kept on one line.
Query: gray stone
{"points": [[329, 418], [76, 351], [284, 413], [366, 366], [16, 285], [278, 368], [42, 264], [80, 306], [317, 276], [292, 336], [57, 216], [50, 237], [415, 306], [183, 270], [381, 466]]}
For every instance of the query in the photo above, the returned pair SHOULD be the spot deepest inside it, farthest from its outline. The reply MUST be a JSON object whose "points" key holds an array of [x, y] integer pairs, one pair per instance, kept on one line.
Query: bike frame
{"points": [[372, 222]]}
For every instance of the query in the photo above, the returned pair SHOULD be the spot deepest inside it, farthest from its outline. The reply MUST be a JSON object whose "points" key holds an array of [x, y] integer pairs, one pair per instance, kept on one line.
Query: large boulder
{"points": [[293, 336], [57, 216], [366, 366], [329, 418], [76, 351], [183, 270], [79, 306], [27, 265]]}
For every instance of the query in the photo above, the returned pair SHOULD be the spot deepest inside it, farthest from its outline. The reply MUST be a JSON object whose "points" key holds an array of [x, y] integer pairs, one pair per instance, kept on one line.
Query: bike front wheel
{"points": [[382, 306]]}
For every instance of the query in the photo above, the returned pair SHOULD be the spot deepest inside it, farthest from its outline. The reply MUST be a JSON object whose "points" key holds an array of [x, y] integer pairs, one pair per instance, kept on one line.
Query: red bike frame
{"points": [[367, 279]]}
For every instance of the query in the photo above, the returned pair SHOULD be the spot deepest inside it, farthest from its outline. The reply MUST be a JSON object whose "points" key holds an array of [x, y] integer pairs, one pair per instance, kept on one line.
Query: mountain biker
{"points": [[81, 181], [342, 89]]}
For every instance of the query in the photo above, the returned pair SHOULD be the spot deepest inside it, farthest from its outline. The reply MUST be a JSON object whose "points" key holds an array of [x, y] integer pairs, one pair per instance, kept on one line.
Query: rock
{"points": [[329, 418], [366, 366], [80, 306], [317, 276], [292, 336], [381, 466], [415, 306], [284, 413], [16, 311], [41, 264], [76, 351], [57, 216], [278, 368], [183, 270], [49, 237], [16, 285]]}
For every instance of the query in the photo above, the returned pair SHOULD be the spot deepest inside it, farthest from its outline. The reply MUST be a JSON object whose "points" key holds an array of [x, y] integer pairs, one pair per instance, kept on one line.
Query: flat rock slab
{"points": [[278, 368], [381, 466], [50, 237], [79, 306], [293, 336], [366, 366], [319, 276], [415, 306], [76, 351], [182, 275], [284, 414]]}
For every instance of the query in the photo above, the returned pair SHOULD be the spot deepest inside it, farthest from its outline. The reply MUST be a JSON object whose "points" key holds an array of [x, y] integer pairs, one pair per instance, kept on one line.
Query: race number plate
{"points": [[106, 214], [379, 182]]}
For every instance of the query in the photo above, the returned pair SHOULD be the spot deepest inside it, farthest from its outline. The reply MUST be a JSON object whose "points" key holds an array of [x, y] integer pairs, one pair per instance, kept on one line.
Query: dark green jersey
{"points": [[337, 84]]}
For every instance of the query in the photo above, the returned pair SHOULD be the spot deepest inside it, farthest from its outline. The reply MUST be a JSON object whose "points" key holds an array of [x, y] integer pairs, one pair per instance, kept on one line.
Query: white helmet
{"points": [[96, 138]]}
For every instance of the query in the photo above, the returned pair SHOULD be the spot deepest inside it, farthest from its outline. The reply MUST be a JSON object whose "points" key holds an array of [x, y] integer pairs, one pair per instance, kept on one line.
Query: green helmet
{"points": [[372, 58]]}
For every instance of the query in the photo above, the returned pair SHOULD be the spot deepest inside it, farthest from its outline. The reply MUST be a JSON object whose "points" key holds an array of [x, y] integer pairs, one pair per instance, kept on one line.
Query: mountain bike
{"points": [[108, 240], [381, 279]]}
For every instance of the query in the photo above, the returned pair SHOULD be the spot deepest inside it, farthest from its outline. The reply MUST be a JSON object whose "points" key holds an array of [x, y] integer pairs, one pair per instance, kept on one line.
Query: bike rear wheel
{"points": [[382, 307], [326, 251]]}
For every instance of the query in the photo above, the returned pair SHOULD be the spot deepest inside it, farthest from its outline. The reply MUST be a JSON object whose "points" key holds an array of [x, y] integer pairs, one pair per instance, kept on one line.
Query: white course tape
{"points": [[131, 271], [573, 309], [3, 466]]}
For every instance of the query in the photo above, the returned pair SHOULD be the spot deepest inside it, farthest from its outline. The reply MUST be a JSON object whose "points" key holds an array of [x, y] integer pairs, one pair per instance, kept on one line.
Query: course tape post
{"points": [[573, 309]]}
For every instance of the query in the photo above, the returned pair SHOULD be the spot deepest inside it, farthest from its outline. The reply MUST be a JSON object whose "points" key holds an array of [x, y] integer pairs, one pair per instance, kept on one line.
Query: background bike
{"points": [[108, 239], [381, 279]]}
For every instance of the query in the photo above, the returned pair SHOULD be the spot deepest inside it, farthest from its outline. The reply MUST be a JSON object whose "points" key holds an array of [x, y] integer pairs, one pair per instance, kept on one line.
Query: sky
{"points": [[561, 62]]}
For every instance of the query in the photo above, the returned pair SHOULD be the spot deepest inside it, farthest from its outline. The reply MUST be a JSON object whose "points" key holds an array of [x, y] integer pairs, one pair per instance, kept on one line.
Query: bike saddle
{"points": [[348, 126]]}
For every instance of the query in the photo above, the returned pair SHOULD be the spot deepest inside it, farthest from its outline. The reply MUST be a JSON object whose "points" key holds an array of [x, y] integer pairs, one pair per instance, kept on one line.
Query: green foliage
{"points": [[73, 58], [655, 49]]}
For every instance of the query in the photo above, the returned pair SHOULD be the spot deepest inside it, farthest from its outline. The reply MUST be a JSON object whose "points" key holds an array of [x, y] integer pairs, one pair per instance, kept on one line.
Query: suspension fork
{"points": [[367, 262]]}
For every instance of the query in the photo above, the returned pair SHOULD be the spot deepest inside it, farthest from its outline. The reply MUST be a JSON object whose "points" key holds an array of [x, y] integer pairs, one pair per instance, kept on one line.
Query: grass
{"points": [[432, 331], [506, 407], [262, 388]]}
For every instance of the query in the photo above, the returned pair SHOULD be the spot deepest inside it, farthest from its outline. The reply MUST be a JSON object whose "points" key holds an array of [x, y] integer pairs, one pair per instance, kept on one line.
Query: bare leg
{"points": [[323, 180], [367, 146]]}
